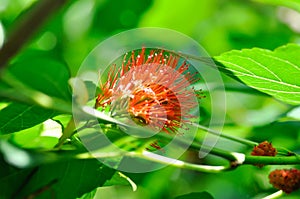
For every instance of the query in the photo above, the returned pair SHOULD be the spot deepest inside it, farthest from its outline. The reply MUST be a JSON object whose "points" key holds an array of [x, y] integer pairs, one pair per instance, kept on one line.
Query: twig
{"points": [[24, 29], [226, 136], [269, 160], [25, 182], [146, 155], [42, 189]]}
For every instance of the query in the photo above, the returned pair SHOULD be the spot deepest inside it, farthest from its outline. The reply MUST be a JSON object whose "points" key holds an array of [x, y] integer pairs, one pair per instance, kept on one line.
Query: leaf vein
{"points": [[282, 60], [14, 118], [261, 65], [262, 78]]}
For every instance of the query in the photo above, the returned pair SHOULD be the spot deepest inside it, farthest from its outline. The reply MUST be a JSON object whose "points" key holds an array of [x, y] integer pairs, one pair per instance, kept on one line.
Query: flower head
{"points": [[153, 90]]}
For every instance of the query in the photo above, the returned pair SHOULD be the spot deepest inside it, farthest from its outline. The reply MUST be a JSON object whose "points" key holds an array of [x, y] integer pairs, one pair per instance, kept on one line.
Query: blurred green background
{"points": [[219, 26]]}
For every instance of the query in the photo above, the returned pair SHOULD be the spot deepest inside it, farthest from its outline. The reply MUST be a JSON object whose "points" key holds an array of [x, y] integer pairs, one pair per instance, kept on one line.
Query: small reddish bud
{"points": [[287, 180], [264, 149]]}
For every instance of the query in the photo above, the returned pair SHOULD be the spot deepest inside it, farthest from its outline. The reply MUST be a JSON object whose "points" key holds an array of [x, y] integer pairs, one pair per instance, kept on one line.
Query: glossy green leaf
{"points": [[196, 195], [43, 73], [11, 179], [273, 72], [42, 136], [67, 180], [53, 174], [71, 179], [16, 117], [120, 178]]}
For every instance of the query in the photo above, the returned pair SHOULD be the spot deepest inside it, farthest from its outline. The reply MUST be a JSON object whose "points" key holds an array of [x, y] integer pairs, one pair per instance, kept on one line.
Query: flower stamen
{"points": [[153, 90]]}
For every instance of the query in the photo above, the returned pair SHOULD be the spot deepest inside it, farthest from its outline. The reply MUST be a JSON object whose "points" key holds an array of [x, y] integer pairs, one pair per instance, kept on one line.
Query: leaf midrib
{"points": [[260, 77], [19, 115]]}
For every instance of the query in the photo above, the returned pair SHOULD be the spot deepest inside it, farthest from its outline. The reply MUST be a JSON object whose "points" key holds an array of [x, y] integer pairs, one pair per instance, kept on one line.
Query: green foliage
{"points": [[121, 179], [16, 117], [202, 195], [293, 4], [70, 179], [220, 26], [275, 73], [42, 136], [41, 154], [43, 73], [89, 195]]}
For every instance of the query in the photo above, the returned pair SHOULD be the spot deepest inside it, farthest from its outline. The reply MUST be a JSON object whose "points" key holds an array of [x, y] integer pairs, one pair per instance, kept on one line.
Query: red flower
{"points": [[152, 90]]}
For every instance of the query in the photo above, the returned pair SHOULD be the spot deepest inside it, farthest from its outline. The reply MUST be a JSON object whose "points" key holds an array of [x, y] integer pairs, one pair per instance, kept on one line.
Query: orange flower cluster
{"points": [[288, 180], [153, 90]]}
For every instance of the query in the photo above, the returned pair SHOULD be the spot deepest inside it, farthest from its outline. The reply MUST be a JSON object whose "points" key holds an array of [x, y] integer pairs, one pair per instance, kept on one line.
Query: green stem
{"points": [[229, 137], [238, 158], [284, 151], [234, 158], [180, 164], [67, 133], [268, 160], [230, 156], [274, 195], [146, 155]]}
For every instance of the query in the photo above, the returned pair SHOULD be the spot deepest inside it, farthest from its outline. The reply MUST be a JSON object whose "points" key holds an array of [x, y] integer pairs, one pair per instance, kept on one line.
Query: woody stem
{"points": [[26, 27]]}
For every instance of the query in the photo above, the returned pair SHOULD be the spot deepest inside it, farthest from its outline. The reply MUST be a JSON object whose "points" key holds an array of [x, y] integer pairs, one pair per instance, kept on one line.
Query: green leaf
{"points": [[64, 178], [120, 178], [88, 195], [11, 179], [45, 74], [273, 72], [71, 179], [42, 136], [293, 4], [40, 72], [16, 117], [196, 195]]}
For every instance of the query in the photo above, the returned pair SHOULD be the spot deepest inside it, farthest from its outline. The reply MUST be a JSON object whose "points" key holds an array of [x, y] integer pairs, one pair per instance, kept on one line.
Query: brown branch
{"points": [[28, 25], [42, 190]]}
